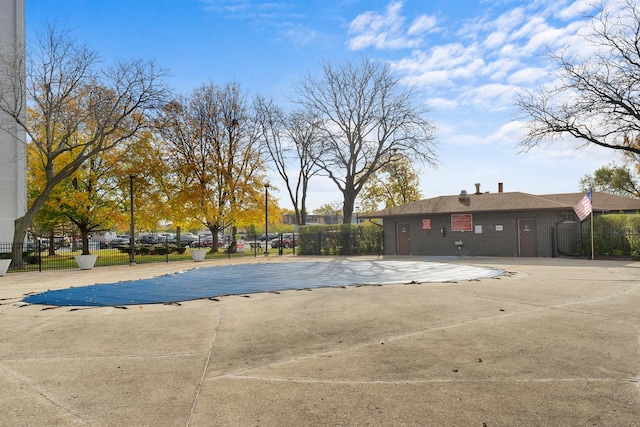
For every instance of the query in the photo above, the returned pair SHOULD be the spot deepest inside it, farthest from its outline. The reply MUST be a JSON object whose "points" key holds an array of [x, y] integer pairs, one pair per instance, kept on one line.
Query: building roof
{"points": [[508, 202]]}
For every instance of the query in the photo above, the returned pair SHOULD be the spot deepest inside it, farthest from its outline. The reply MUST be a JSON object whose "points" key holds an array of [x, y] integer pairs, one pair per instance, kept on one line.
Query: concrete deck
{"points": [[554, 342]]}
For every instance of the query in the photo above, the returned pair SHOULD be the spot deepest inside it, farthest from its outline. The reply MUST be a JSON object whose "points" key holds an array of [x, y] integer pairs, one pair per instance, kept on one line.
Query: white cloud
{"points": [[495, 39], [442, 103], [490, 97], [527, 76], [422, 24], [467, 140], [388, 30], [493, 58], [298, 35], [577, 9], [502, 68], [510, 133]]}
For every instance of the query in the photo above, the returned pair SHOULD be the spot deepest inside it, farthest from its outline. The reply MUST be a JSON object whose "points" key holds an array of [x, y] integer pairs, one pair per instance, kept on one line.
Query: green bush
{"points": [[31, 257], [162, 249], [615, 235], [343, 239]]}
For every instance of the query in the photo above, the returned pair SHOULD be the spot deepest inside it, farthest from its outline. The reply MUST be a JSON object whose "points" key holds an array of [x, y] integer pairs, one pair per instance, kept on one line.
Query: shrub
{"points": [[343, 239]]}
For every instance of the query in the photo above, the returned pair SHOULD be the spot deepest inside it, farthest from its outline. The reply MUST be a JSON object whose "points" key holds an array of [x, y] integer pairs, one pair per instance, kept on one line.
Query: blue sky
{"points": [[467, 59]]}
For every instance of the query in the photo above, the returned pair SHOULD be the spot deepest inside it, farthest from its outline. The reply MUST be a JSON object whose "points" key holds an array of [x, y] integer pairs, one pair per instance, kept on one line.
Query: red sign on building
{"points": [[461, 222], [426, 224]]}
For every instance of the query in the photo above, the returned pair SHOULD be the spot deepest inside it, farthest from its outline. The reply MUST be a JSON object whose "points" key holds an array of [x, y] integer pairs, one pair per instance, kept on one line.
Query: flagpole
{"points": [[583, 209], [592, 253]]}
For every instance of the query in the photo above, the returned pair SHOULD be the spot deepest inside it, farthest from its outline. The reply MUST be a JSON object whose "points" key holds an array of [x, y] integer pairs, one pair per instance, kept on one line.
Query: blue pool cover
{"points": [[222, 280]]}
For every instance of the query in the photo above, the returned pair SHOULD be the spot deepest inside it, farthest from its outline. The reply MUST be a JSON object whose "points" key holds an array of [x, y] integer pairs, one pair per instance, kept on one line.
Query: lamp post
{"points": [[266, 219], [132, 256]]}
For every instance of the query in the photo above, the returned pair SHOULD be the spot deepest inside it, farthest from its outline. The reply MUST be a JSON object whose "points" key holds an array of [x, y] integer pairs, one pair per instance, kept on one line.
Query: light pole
{"points": [[132, 256], [266, 219]]}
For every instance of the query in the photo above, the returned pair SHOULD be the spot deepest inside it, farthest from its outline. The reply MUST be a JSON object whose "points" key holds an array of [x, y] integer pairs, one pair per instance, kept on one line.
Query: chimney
{"points": [[477, 188], [499, 187]]}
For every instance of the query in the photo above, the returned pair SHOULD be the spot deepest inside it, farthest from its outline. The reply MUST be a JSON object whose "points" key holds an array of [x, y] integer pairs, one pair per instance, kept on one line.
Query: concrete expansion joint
{"points": [[206, 366]]}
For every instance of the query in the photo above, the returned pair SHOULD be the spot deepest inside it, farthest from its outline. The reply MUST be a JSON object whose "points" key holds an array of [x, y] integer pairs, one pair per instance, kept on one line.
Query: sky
{"points": [[467, 60]]}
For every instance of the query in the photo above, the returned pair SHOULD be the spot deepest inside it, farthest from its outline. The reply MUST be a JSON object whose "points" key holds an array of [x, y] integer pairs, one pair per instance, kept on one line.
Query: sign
{"points": [[461, 222], [426, 224]]}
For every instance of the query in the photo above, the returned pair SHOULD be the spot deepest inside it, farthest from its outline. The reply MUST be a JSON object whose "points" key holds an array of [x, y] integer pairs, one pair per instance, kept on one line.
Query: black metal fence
{"points": [[354, 241], [608, 243], [40, 254]]}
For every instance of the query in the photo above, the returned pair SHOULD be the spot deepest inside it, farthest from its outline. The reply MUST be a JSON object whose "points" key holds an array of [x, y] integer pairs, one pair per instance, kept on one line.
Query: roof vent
{"points": [[464, 198]]}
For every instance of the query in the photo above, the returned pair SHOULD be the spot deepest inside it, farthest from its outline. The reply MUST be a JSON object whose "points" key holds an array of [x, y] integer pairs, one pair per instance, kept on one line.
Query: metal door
{"points": [[403, 239], [527, 238]]}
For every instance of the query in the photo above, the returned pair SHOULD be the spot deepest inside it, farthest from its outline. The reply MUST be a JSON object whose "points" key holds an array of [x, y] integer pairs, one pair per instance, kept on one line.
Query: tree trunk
{"points": [[347, 208], [52, 243], [233, 248], [84, 234], [215, 230], [21, 226]]}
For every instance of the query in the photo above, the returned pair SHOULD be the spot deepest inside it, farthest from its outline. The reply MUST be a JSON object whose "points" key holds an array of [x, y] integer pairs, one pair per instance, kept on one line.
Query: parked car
{"points": [[62, 242], [268, 237], [148, 239], [287, 241], [121, 240], [166, 238], [40, 243], [205, 241], [187, 239]]}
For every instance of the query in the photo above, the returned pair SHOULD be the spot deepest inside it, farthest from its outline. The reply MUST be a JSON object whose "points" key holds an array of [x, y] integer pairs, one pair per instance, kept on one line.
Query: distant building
{"points": [[491, 224], [314, 219], [13, 166]]}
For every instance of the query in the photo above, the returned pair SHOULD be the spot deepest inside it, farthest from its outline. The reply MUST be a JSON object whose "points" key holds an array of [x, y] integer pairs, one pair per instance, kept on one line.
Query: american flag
{"points": [[583, 209]]}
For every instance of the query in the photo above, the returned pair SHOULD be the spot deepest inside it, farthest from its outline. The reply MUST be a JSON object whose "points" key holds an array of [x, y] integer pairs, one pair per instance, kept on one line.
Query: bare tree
{"points": [[597, 99], [74, 109], [365, 118], [290, 140]]}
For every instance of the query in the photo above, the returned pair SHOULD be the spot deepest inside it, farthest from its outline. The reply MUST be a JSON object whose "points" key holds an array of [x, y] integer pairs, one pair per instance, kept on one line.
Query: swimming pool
{"points": [[209, 282]]}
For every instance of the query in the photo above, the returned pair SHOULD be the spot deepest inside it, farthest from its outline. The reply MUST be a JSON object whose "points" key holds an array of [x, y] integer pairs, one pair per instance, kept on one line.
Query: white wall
{"points": [[13, 197]]}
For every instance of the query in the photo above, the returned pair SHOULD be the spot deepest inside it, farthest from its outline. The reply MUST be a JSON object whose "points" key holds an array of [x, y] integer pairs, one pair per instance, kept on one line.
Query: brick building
{"points": [[499, 224]]}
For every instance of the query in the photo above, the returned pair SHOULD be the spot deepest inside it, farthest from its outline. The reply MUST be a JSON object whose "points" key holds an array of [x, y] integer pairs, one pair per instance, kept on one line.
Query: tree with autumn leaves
{"points": [[75, 110], [395, 184], [87, 199], [212, 153], [197, 159]]}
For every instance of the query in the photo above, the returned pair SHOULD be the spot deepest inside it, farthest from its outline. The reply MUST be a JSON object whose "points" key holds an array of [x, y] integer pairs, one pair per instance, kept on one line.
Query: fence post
{"points": [[39, 255]]}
